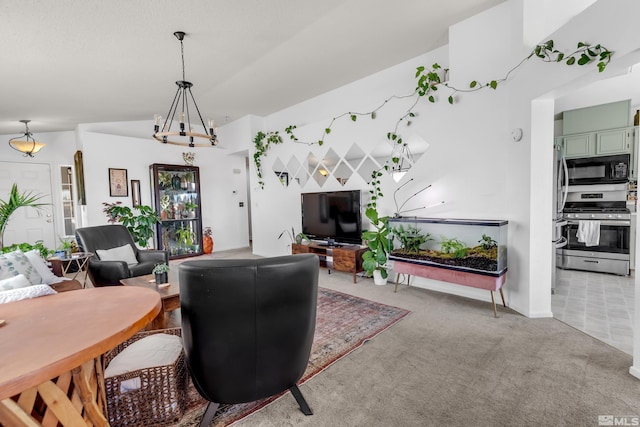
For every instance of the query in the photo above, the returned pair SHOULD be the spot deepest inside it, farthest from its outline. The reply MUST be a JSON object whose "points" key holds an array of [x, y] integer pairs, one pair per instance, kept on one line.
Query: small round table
{"points": [[52, 347], [81, 259]]}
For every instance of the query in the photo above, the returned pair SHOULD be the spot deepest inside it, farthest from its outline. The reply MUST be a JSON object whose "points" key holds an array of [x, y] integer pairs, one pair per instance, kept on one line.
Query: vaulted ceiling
{"points": [[66, 62]]}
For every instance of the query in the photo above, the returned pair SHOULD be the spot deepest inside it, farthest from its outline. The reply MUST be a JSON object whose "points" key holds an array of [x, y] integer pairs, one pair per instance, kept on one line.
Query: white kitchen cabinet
{"points": [[616, 141], [579, 145]]}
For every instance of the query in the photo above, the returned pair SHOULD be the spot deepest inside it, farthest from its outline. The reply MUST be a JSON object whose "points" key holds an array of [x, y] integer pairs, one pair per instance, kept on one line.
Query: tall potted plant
{"points": [[375, 259], [16, 201]]}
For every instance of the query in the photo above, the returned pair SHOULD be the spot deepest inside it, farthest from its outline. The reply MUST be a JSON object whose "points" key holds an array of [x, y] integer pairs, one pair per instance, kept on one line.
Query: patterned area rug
{"points": [[344, 322]]}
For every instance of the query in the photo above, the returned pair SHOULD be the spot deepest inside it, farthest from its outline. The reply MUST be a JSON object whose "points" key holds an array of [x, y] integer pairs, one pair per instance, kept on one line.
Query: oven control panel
{"points": [[601, 215]]}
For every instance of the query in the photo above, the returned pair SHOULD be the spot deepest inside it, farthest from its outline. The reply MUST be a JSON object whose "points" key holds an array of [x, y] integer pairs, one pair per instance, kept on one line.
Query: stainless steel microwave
{"points": [[599, 170]]}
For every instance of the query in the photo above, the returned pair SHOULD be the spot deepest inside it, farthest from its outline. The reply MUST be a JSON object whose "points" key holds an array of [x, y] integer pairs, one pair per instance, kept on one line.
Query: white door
{"points": [[28, 225]]}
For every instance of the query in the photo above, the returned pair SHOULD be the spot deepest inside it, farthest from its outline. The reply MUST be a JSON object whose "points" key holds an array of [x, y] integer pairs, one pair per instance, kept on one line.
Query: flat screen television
{"points": [[332, 215]]}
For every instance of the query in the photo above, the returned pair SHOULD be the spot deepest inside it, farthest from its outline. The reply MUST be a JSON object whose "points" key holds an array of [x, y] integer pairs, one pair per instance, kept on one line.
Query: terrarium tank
{"points": [[477, 246]]}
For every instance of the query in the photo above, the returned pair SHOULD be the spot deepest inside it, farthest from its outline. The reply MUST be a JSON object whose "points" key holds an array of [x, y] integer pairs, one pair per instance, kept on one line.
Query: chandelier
{"points": [[183, 133], [25, 142]]}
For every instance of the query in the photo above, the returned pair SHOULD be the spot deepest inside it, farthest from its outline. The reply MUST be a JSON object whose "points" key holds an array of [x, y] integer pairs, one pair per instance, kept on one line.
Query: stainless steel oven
{"points": [[602, 210]]}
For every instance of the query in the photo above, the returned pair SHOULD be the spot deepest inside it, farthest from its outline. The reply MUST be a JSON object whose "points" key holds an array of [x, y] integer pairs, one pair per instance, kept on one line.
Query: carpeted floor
{"points": [[343, 323], [450, 363]]}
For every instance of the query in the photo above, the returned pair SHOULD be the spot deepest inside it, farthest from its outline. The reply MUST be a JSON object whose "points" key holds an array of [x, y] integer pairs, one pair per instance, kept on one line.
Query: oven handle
{"points": [[622, 223]]}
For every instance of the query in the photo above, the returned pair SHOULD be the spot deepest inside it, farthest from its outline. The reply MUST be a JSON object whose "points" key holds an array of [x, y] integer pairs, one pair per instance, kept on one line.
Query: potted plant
{"points": [[165, 203], [191, 207], [164, 178], [160, 271], [66, 245], [185, 237], [299, 238], [140, 226], [16, 201], [375, 259]]}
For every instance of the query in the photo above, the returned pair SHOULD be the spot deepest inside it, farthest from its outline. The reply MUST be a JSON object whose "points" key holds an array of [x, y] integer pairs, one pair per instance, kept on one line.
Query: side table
{"points": [[81, 259]]}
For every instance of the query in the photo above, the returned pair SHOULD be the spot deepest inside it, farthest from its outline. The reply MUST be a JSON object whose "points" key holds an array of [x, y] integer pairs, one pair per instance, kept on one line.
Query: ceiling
{"points": [[67, 62]]}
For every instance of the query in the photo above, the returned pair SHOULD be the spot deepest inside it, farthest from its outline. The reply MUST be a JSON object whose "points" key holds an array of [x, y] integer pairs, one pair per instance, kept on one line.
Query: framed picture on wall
{"points": [[118, 184], [135, 192]]}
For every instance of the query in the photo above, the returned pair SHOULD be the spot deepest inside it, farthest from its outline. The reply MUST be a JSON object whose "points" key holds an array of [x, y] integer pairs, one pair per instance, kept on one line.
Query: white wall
{"points": [[472, 163], [221, 173]]}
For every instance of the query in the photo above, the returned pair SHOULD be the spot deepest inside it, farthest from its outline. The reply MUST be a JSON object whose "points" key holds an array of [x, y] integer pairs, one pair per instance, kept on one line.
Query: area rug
{"points": [[343, 323]]}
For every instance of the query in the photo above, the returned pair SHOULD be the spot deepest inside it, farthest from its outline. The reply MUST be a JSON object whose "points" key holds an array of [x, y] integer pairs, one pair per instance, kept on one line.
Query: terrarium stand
{"points": [[474, 280]]}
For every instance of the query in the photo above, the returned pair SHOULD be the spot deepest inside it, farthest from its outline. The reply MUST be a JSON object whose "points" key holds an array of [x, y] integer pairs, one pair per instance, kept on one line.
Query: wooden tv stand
{"points": [[345, 258]]}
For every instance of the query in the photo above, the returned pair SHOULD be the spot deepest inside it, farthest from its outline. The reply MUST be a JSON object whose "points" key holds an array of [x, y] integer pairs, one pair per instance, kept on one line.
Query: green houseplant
{"points": [[140, 226], [16, 200], [160, 271], [185, 238], [375, 259]]}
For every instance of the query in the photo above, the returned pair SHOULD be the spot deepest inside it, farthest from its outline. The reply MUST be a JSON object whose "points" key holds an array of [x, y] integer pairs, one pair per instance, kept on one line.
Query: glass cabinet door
{"points": [[176, 193]]}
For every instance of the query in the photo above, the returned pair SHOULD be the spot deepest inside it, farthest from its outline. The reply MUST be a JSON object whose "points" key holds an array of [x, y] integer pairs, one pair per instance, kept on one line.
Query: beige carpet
{"points": [[451, 363]]}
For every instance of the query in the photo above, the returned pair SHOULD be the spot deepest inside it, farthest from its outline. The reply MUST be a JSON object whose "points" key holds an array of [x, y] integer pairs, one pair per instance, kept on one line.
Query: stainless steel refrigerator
{"points": [[560, 183]]}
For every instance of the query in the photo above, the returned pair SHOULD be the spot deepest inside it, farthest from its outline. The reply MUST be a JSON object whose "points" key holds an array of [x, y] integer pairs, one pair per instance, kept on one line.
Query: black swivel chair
{"points": [[109, 273], [248, 326]]}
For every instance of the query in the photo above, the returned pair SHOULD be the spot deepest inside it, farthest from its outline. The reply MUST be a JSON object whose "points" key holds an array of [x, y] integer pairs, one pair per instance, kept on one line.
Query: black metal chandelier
{"points": [[25, 143], [183, 134]]}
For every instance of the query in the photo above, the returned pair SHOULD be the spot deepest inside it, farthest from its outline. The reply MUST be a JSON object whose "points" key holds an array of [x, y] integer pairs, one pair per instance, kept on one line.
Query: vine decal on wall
{"points": [[429, 81]]}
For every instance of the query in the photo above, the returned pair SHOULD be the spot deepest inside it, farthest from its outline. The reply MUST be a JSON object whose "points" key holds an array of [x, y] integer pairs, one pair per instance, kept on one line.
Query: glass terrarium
{"points": [[477, 246]]}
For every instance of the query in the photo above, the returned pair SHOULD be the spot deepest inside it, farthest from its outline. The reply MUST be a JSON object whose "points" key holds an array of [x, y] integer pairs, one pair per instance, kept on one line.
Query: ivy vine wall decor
{"points": [[428, 83]]}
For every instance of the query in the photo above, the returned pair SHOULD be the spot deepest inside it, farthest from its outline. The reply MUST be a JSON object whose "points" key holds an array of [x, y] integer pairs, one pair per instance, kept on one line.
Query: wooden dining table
{"points": [[51, 351]]}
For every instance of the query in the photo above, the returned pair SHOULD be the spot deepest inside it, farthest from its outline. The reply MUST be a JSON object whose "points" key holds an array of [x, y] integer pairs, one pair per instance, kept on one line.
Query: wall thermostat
{"points": [[516, 134]]}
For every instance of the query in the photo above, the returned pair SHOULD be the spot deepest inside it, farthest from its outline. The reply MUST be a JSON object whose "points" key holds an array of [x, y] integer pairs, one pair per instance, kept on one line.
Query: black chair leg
{"points": [[304, 407], [207, 418]]}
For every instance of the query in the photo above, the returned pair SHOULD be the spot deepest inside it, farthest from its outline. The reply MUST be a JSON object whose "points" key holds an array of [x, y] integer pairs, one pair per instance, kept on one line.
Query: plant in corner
{"points": [[379, 244], [16, 200]]}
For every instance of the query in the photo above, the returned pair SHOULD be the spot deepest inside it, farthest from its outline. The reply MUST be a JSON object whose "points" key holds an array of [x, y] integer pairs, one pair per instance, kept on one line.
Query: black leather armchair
{"points": [[109, 273], [248, 326]]}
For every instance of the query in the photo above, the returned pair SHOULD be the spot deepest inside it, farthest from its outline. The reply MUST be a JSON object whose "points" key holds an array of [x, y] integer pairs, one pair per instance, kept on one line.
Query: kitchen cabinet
{"points": [[580, 145], [176, 195], [616, 141], [601, 143]]}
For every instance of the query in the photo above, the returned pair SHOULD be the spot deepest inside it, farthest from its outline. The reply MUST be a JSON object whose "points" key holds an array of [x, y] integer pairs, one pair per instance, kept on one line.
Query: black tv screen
{"points": [[332, 215]]}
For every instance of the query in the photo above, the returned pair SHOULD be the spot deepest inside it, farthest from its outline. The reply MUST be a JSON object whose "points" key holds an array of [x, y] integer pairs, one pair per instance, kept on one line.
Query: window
{"points": [[68, 205]]}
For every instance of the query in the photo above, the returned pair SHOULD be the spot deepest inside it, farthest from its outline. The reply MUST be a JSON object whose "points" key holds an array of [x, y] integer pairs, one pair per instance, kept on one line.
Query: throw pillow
{"points": [[41, 267], [149, 352], [25, 293], [121, 253], [14, 263], [14, 282]]}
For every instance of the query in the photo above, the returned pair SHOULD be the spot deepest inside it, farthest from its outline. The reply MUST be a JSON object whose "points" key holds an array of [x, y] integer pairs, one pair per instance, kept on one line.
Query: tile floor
{"points": [[599, 304]]}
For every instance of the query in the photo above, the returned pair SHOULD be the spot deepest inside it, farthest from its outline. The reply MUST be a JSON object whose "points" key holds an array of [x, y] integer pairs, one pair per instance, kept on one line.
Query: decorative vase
{"points": [[161, 278], [378, 279], [207, 244], [175, 182]]}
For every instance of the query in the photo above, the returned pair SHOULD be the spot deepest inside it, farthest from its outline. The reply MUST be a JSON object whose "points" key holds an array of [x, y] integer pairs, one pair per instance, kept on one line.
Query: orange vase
{"points": [[207, 244]]}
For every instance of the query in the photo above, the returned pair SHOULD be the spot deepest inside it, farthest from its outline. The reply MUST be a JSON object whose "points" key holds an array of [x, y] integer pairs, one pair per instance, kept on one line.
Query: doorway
{"points": [[28, 224]]}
